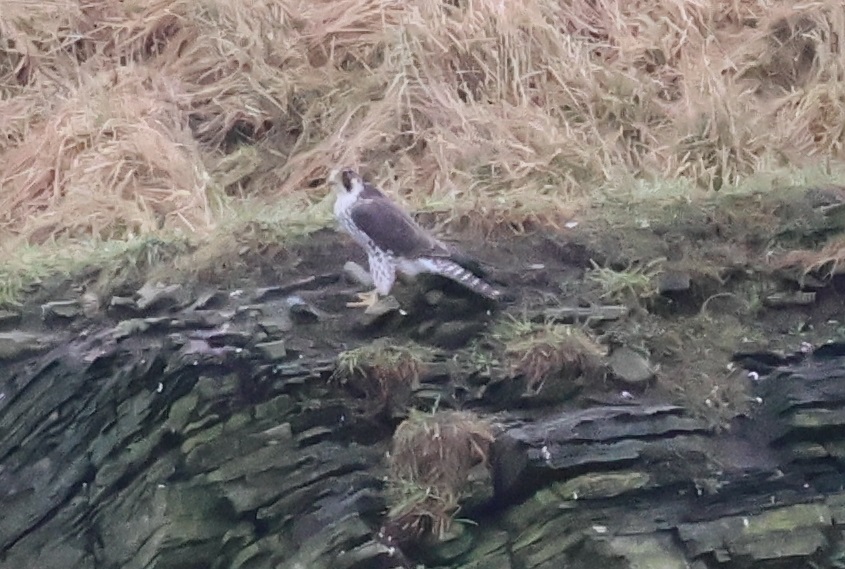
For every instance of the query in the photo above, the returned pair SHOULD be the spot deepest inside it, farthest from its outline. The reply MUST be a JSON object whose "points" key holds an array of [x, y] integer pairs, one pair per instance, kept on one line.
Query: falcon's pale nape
{"points": [[393, 240]]}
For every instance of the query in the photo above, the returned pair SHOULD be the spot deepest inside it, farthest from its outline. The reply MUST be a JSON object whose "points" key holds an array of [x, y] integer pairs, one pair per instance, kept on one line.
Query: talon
{"points": [[366, 300]]}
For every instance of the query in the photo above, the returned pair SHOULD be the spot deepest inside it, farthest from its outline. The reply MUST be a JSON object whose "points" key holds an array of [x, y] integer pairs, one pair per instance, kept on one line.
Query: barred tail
{"points": [[457, 273]]}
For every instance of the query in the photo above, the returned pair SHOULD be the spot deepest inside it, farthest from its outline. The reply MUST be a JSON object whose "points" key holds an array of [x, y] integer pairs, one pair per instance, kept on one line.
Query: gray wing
{"points": [[391, 229]]}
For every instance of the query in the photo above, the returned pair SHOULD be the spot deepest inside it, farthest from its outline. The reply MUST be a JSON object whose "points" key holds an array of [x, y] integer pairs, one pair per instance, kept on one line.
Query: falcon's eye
{"points": [[346, 179]]}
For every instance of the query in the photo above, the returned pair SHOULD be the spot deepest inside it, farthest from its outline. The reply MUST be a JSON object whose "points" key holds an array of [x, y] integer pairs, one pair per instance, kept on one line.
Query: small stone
{"points": [[16, 344], [313, 435], [249, 310], [358, 274], [273, 350], [121, 302], [226, 337], [90, 304], [202, 319], [266, 293], [301, 311], [154, 295], [673, 281], [279, 432], [130, 327], [209, 299], [630, 367], [61, 309], [8, 317], [276, 325]]}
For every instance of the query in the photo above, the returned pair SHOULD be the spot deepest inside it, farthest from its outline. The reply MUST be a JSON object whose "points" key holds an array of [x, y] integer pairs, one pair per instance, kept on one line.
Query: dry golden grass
{"points": [[382, 374], [123, 118], [828, 261], [430, 459], [547, 354]]}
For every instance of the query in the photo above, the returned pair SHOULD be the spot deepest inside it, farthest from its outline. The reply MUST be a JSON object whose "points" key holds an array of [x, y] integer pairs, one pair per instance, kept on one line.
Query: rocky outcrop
{"points": [[210, 430], [181, 441], [645, 485]]}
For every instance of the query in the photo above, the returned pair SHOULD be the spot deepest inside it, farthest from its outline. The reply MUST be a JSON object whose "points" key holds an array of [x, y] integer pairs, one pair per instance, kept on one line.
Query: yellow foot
{"points": [[366, 300]]}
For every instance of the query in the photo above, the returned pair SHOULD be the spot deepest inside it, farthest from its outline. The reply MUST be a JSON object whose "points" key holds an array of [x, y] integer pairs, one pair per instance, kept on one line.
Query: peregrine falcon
{"points": [[394, 242]]}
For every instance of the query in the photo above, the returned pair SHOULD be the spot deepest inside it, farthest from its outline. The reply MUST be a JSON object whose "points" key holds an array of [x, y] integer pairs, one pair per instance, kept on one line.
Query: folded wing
{"points": [[391, 229]]}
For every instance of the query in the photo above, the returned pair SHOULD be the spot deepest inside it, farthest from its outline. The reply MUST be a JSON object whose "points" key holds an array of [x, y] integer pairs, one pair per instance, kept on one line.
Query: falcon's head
{"points": [[346, 182]]}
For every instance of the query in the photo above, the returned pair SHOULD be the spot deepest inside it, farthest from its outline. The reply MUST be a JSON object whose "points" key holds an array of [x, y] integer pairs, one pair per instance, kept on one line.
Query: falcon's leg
{"points": [[383, 272]]}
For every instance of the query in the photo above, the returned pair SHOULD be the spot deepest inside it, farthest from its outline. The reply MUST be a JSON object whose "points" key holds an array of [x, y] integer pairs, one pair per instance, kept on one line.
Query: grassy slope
{"points": [[197, 121]]}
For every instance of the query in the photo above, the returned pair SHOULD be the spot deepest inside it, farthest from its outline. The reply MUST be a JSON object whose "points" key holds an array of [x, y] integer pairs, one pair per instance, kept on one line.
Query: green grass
{"points": [[382, 372], [430, 459], [248, 227], [541, 351], [635, 283], [113, 262]]}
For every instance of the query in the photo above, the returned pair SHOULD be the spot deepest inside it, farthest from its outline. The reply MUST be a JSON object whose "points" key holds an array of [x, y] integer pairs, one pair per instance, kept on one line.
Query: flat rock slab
{"points": [[602, 438], [16, 344]]}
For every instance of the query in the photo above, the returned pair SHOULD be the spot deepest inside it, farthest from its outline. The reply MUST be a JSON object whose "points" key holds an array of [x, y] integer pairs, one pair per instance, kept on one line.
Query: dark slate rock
{"points": [[174, 441], [157, 296], [9, 318], [61, 309], [673, 282], [17, 344]]}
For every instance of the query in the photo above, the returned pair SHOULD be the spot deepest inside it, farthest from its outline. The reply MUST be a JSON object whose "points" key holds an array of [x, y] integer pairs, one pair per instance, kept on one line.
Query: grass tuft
{"points": [[380, 372], [633, 284], [548, 353], [430, 460]]}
